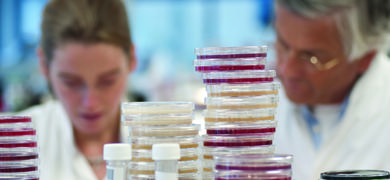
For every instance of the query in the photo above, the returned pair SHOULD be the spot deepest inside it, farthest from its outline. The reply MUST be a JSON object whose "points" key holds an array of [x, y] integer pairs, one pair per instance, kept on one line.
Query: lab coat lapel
{"points": [[75, 162], [293, 136]]}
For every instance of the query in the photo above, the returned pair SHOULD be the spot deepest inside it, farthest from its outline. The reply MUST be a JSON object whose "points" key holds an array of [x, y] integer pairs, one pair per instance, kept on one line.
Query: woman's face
{"points": [[90, 81]]}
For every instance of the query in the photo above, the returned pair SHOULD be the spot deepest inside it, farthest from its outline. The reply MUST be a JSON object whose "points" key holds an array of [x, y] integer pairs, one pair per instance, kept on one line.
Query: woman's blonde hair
{"points": [[84, 21]]}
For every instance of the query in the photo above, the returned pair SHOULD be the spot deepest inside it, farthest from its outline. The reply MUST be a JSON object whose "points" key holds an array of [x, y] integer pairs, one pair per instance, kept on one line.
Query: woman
{"points": [[86, 55]]}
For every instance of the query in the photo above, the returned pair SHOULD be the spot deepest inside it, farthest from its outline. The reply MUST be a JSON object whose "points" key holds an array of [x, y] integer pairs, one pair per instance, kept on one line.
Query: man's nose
{"points": [[289, 65]]}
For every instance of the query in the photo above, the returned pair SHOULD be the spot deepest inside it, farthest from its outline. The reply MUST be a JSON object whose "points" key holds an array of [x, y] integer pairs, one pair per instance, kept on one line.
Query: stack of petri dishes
{"points": [[253, 166], [162, 122], [241, 102], [18, 149]]}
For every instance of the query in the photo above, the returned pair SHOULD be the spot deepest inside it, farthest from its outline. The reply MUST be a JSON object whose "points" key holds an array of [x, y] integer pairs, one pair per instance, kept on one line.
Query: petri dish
{"points": [[262, 127], [207, 175], [17, 132], [145, 155], [141, 176], [148, 168], [156, 119], [239, 77], [13, 177], [168, 130], [263, 175], [191, 176], [19, 150], [147, 142], [15, 121], [209, 152], [253, 162], [237, 140], [19, 158], [4, 168], [242, 89], [156, 107], [356, 174], [242, 102], [9, 134], [210, 65], [239, 115], [17, 144], [187, 176], [231, 52], [19, 178]]}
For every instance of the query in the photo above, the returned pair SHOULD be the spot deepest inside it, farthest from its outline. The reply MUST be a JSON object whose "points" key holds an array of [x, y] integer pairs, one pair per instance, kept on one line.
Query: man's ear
{"points": [[44, 66], [365, 61], [132, 59]]}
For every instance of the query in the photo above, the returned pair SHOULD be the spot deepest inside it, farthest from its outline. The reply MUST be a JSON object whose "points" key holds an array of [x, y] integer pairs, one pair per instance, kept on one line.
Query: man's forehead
{"points": [[303, 32]]}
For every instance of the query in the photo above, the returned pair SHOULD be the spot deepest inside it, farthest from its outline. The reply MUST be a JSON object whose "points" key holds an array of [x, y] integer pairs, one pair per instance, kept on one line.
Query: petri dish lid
{"points": [[156, 119], [17, 156], [253, 162], [176, 130], [236, 129], [242, 89], [189, 176], [14, 119], [146, 154], [240, 122], [209, 151], [141, 176], [209, 65], [20, 178], [18, 144], [237, 140], [185, 142], [182, 165], [231, 52], [239, 113], [238, 77], [355, 174], [248, 175], [156, 107], [15, 169], [241, 102], [17, 132]]}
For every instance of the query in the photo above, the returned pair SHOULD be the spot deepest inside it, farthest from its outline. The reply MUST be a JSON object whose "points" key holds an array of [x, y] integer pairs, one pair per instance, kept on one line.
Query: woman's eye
{"points": [[72, 84], [107, 82]]}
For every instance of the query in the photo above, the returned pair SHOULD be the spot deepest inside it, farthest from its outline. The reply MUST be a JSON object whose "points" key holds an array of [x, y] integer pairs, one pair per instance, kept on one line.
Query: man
{"points": [[332, 63]]}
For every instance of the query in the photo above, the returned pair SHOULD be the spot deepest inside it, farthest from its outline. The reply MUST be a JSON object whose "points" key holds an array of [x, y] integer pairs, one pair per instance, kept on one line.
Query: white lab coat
{"points": [[361, 140], [59, 157]]}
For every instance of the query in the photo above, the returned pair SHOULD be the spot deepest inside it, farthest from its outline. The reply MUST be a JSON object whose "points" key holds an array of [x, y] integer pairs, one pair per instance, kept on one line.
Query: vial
{"points": [[166, 156], [117, 157]]}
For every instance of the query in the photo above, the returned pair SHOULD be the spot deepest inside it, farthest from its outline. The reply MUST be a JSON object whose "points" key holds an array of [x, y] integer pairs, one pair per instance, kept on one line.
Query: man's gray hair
{"points": [[364, 25]]}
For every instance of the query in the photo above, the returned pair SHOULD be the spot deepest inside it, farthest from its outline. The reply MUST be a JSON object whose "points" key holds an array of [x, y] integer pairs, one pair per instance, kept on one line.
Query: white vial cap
{"points": [[117, 151], [166, 151]]}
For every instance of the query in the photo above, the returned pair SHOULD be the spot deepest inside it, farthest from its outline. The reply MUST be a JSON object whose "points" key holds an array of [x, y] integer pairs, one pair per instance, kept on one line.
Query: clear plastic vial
{"points": [[166, 156], [117, 157]]}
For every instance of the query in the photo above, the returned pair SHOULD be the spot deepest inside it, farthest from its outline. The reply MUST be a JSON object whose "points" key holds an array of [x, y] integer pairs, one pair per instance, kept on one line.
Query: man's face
{"points": [[299, 37]]}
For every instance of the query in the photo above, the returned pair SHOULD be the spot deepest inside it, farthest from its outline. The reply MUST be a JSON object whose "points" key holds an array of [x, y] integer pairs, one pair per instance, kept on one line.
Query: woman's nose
{"points": [[90, 98]]}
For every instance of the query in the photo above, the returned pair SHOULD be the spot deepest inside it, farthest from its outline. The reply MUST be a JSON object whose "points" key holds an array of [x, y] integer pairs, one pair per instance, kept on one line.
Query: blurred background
{"points": [[165, 33]]}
